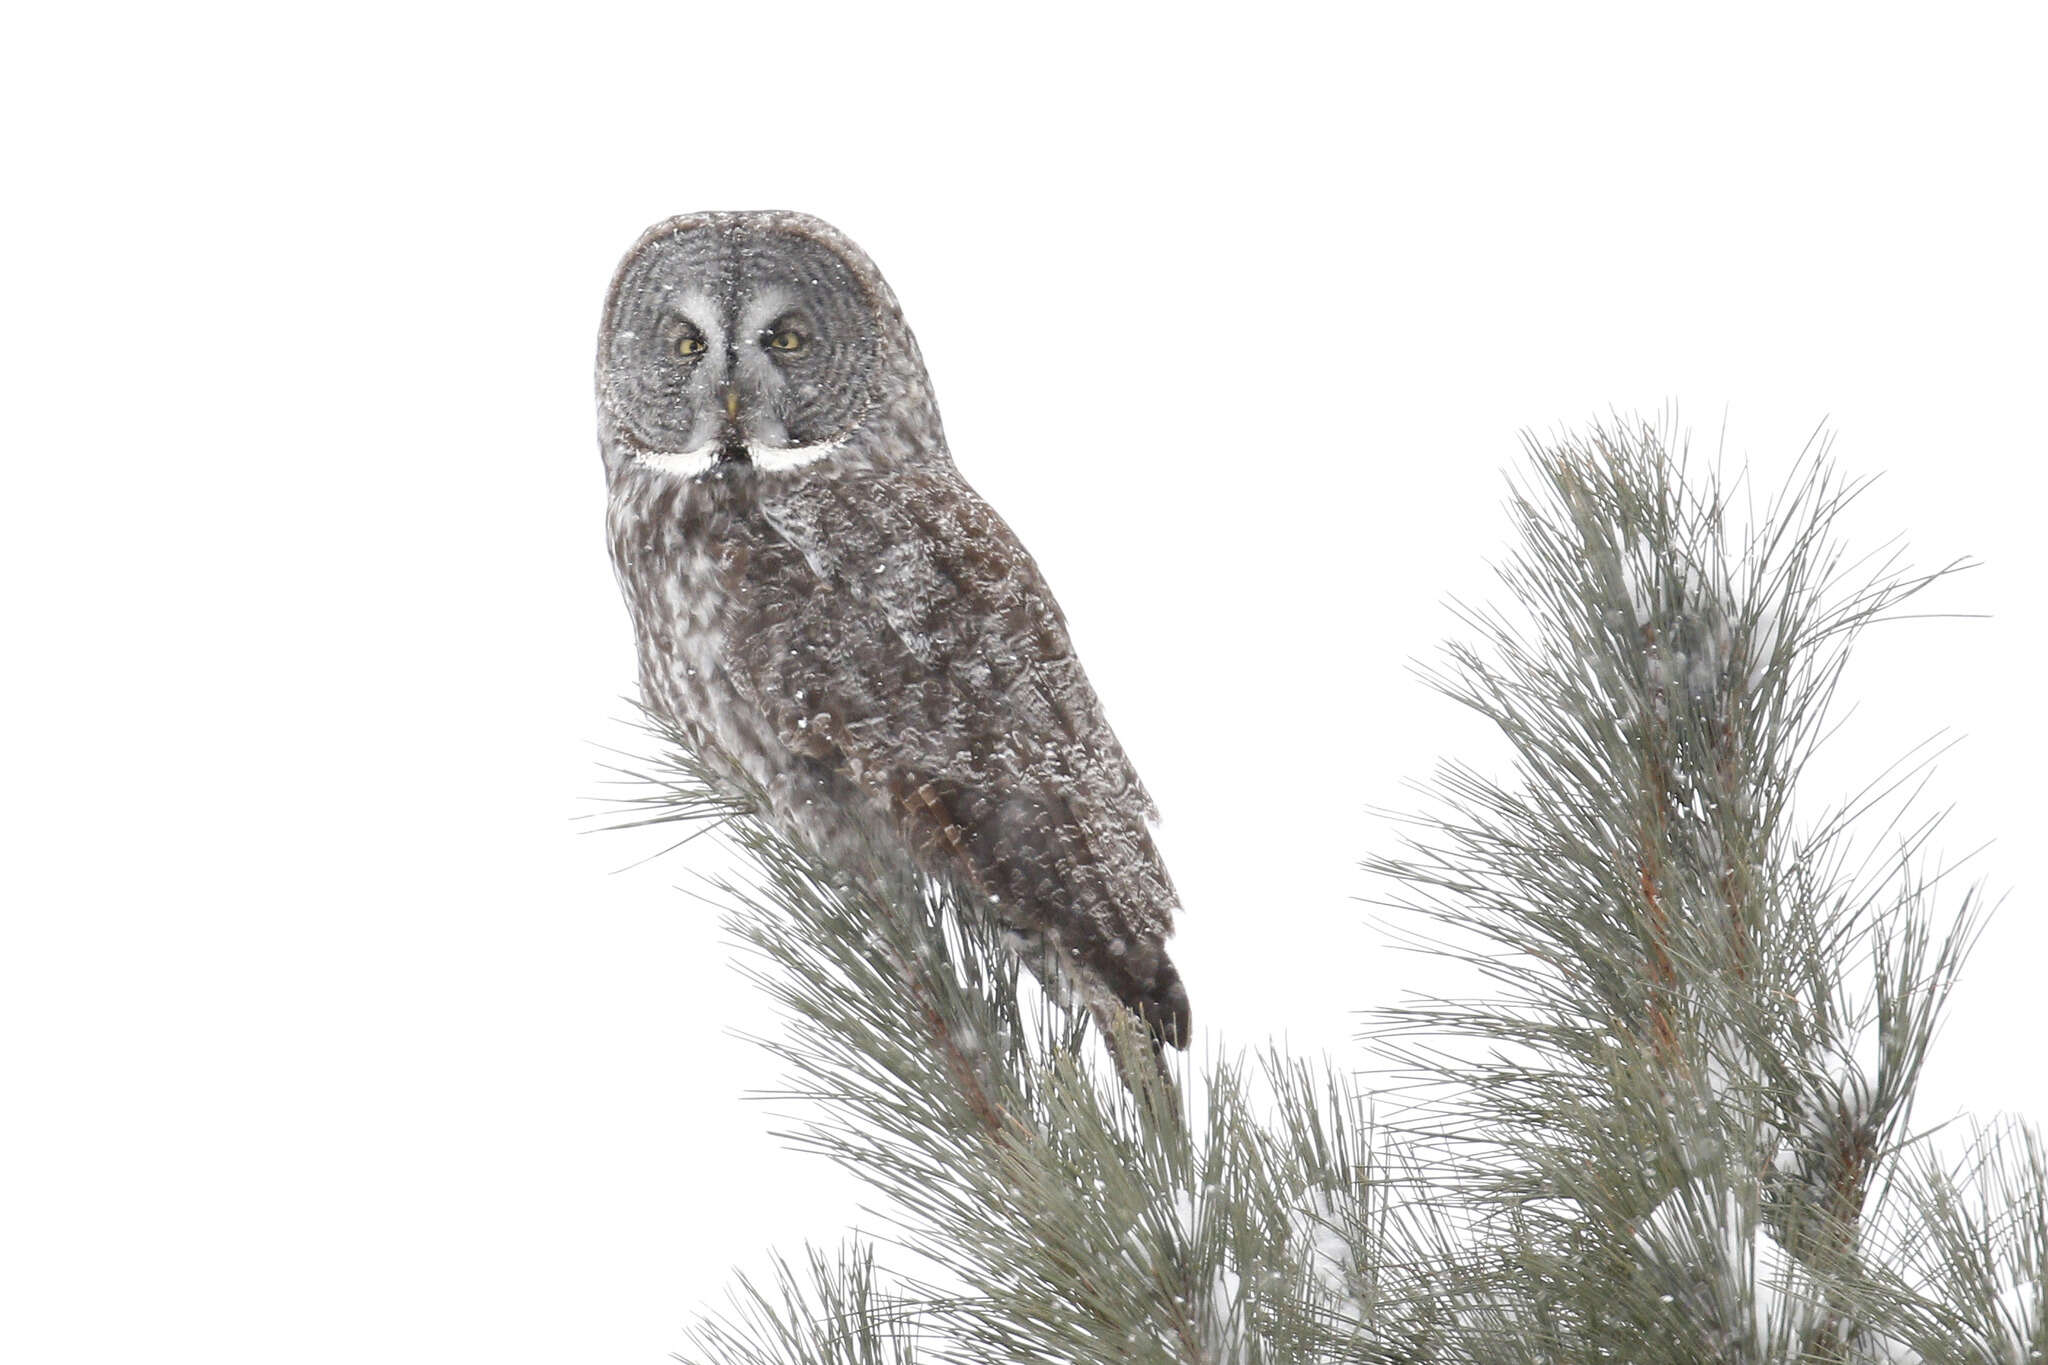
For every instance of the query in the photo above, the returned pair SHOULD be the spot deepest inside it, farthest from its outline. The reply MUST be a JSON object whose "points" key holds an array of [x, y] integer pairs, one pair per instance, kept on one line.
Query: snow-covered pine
{"points": [[1685, 1105], [1678, 1129]]}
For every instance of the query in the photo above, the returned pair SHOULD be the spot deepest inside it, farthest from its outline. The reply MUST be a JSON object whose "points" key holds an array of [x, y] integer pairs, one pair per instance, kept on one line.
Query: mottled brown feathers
{"points": [[847, 620]]}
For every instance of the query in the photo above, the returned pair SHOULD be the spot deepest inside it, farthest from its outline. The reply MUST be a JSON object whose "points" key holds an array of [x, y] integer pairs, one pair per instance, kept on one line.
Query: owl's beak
{"points": [[734, 447]]}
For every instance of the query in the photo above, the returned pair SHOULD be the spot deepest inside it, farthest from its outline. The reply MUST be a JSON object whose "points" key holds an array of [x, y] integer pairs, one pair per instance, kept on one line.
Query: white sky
{"points": [[327, 1037]]}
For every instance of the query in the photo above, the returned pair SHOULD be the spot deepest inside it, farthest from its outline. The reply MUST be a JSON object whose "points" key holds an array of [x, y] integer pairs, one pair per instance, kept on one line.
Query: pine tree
{"points": [[1676, 1128]]}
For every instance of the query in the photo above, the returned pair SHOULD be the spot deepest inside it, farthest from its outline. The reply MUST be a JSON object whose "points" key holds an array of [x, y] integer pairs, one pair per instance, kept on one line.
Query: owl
{"points": [[823, 603]]}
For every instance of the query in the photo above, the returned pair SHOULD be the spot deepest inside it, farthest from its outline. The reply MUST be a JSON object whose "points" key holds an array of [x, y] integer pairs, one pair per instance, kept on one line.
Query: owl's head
{"points": [[744, 337]]}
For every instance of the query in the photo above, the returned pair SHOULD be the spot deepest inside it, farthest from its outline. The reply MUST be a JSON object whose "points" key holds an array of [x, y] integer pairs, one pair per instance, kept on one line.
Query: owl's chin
{"points": [[734, 451]]}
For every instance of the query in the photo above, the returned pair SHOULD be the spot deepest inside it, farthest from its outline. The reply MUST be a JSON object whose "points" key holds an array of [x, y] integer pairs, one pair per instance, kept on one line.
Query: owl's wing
{"points": [[932, 666]]}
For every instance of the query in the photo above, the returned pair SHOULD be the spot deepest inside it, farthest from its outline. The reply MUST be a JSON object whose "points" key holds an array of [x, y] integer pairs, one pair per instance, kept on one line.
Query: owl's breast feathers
{"points": [[884, 626]]}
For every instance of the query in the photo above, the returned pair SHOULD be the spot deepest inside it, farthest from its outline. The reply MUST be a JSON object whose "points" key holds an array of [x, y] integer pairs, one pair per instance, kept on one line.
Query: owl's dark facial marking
{"points": [[733, 336]]}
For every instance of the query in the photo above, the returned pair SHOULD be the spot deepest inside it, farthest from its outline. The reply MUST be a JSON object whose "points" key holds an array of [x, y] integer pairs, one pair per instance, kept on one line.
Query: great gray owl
{"points": [[821, 600]]}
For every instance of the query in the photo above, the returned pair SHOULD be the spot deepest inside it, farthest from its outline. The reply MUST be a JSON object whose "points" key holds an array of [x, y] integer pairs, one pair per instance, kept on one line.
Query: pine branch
{"points": [[832, 1312], [1707, 1031], [1676, 1128], [1057, 1213], [1970, 1249]]}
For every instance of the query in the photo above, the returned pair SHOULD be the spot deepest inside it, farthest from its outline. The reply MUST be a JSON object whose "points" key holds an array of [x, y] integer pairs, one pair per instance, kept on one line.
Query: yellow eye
{"points": [[786, 340], [690, 346]]}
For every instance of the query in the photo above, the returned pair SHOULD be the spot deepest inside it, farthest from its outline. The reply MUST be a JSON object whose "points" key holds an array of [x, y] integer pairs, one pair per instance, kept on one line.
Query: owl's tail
{"points": [[1164, 1008], [1145, 982], [1141, 981]]}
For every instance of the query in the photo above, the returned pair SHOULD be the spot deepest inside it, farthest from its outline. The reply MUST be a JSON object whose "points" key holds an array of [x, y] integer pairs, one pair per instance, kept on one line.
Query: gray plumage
{"points": [[821, 600]]}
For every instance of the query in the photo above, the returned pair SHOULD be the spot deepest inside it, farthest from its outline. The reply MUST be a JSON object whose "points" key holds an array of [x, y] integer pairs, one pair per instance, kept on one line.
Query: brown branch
{"points": [[1663, 976], [991, 1115]]}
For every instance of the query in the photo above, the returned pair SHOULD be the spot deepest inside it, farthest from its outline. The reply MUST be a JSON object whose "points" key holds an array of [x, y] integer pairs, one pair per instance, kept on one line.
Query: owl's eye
{"points": [[788, 339], [690, 346]]}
